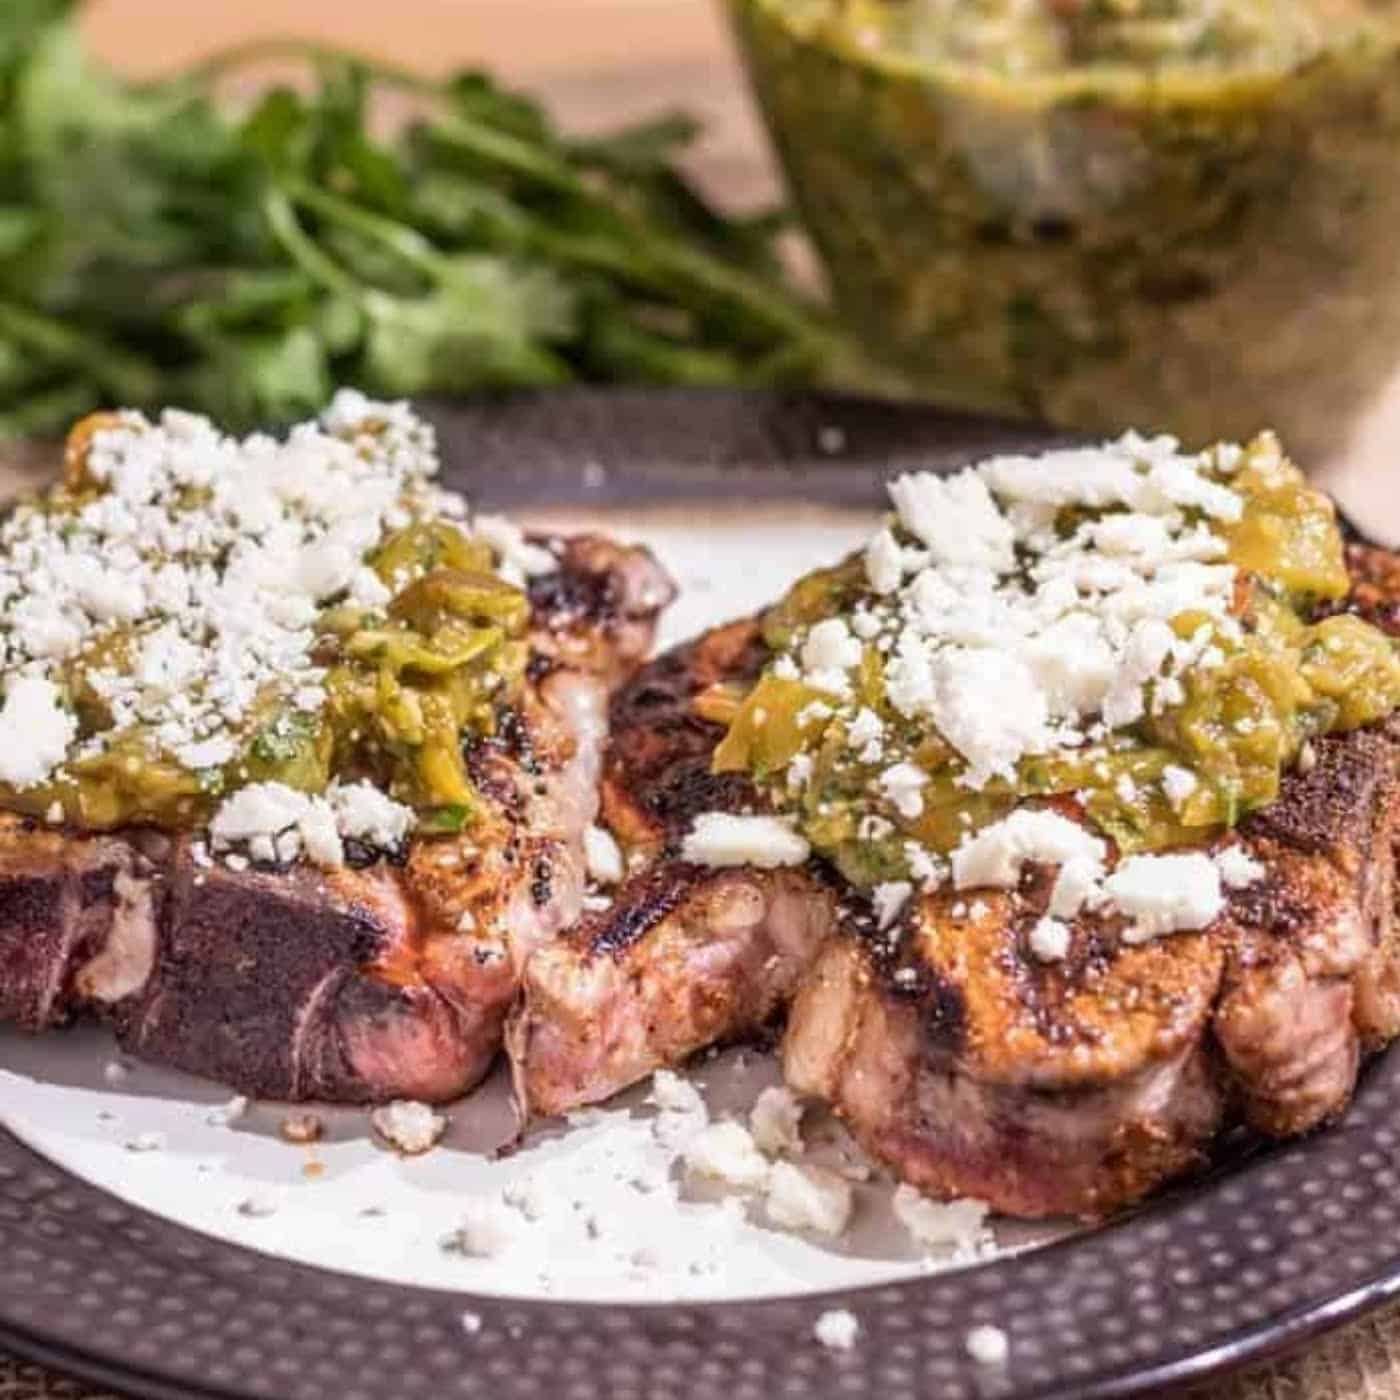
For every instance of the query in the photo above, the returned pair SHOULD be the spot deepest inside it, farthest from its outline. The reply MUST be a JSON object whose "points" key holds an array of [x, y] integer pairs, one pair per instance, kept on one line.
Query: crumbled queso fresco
{"points": [[1026, 610], [213, 559], [1009, 657]]}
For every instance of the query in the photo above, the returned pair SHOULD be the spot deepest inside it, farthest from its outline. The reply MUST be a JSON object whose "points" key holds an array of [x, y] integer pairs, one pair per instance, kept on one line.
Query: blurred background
{"points": [[595, 65]]}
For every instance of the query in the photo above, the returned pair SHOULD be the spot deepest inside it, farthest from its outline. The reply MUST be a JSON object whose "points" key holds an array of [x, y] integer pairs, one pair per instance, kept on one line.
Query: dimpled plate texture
{"points": [[1274, 1245]]}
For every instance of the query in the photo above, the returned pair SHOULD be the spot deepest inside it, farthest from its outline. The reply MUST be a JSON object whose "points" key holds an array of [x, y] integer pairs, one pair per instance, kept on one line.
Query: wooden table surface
{"points": [[599, 61]]}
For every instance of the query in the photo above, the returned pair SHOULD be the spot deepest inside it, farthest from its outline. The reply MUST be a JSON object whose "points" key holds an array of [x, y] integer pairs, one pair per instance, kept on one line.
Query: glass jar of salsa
{"points": [[1169, 214]]}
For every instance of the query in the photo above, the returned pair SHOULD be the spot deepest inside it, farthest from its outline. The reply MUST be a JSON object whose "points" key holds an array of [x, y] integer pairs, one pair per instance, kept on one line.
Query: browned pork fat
{"points": [[357, 984]]}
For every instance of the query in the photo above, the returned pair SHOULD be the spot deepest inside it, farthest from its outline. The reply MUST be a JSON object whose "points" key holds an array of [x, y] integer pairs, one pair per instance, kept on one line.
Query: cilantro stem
{"points": [[281, 217], [703, 274], [406, 242]]}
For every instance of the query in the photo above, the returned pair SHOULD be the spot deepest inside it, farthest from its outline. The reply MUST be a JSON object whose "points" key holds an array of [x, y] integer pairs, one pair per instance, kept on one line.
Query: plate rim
{"points": [[42, 1204]]}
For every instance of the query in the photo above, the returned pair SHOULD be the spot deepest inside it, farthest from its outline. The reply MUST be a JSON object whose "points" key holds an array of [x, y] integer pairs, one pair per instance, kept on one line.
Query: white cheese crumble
{"points": [[956, 517], [673, 1093], [1178, 784], [519, 559], [1050, 940], [363, 813], [1165, 894], [903, 785], [988, 1346], [35, 731], [1076, 885], [831, 647], [277, 823], [808, 1198], [234, 1111], [486, 1231], [776, 1122], [1238, 869], [410, 1127], [888, 900], [960, 1226], [603, 856], [726, 1152], [996, 855], [884, 563], [1159, 894], [837, 1329], [719, 839]]}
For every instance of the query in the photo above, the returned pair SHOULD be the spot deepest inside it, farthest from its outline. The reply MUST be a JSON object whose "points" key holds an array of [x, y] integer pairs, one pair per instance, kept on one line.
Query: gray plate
{"points": [[1273, 1246]]}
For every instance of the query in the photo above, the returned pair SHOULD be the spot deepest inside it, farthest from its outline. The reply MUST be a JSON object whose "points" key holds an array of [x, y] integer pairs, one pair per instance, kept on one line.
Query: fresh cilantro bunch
{"points": [[157, 247]]}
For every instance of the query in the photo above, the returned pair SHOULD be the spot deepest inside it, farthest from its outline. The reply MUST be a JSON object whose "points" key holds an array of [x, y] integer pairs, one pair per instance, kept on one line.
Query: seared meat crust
{"points": [[358, 984], [685, 957]]}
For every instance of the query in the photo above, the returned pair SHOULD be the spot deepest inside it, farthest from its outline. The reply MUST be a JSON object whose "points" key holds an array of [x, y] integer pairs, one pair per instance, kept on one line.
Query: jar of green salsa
{"points": [[1174, 214]]}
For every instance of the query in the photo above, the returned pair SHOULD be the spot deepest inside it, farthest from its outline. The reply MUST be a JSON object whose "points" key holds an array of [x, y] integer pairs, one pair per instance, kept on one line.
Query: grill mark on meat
{"points": [[597, 610], [688, 957], [567, 598], [1269, 906], [642, 904], [944, 1014], [516, 741], [685, 955], [542, 882], [676, 804]]}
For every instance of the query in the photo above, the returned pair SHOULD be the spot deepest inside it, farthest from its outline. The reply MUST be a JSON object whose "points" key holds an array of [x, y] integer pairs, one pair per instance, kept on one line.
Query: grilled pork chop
{"points": [[685, 956], [967, 1065], [378, 980], [972, 1068]]}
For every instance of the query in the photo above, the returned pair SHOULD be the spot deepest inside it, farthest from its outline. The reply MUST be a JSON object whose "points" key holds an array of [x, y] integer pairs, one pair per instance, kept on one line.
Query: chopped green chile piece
{"points": [[428, 545], [445, 821], [294, 748]]}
